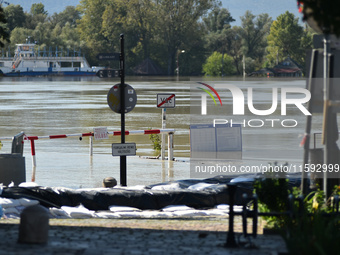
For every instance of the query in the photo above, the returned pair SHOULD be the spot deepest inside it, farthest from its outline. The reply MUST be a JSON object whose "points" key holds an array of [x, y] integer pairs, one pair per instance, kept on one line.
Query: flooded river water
{"points": [[42, 106]]}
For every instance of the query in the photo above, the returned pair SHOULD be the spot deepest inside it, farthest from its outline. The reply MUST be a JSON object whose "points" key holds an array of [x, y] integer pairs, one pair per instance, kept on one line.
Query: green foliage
{"points": [[37, 9], [36, 15], [15, 16], [213, 65], [4, 35], [272, 192], [20, 34], [156, 142], [313, 232], [69, 16], [254, 32], [309, 232], [153, 29], [217, 23], [178, 22], [288, 38], [313, 235]]}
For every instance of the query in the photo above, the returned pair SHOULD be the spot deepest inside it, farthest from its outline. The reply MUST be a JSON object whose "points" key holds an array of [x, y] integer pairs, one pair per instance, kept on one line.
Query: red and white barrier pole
{"points": [[32, 139]]}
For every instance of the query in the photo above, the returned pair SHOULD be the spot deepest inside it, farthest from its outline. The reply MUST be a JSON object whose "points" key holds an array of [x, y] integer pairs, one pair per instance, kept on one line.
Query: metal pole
{"points": [[309, 122], [122, 110], [163, 135], [170, 146], [325, 137], [177, 65], [91, 145]]}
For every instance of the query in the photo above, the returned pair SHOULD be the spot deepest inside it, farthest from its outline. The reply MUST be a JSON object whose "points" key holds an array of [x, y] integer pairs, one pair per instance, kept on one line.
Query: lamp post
{"points": [[178, 52]]}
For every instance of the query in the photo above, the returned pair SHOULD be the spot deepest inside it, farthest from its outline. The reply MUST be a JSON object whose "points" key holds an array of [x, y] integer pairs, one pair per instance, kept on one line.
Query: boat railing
{"points": [[6, 58], [69, 58], [54, 58]]}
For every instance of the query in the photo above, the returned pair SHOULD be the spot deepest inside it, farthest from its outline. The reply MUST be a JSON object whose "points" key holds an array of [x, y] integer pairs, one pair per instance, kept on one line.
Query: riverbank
{"points": [[191, 235]]}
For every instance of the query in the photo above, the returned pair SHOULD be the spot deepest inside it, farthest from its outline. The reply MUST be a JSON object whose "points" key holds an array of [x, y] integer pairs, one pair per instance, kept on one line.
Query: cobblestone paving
{"points": [[136, 236]]}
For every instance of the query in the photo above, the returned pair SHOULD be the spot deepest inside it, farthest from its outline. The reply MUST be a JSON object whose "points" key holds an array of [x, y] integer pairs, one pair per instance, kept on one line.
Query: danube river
{"points": [[55, 106]]}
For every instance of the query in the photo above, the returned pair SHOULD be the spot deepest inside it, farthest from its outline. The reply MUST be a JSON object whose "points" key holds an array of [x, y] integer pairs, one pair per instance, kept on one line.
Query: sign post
{"points": [[123, 178], [121, 98], [165, 101]]}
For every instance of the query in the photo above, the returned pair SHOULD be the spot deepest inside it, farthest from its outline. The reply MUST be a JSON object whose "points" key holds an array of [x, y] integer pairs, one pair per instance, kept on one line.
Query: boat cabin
{"points": [[25, 50]]}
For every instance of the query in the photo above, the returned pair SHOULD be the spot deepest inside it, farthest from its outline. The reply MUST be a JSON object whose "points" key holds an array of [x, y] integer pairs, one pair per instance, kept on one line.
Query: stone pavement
{"points": [[136, 236]]}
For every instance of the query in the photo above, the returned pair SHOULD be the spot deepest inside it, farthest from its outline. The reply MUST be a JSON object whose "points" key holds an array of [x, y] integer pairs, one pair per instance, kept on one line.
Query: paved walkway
{"points": [[136, 236]]}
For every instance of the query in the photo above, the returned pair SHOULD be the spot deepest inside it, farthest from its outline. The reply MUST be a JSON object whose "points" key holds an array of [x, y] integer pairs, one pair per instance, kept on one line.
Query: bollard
{"points": [[109, 182], [34, 225]]}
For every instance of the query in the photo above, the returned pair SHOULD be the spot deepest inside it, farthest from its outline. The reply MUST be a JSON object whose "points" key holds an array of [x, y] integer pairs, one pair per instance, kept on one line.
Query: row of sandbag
{"points": [[12, 208]]}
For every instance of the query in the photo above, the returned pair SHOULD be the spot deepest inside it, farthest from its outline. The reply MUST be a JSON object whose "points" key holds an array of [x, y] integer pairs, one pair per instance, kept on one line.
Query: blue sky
{"points": [[274, 8]]}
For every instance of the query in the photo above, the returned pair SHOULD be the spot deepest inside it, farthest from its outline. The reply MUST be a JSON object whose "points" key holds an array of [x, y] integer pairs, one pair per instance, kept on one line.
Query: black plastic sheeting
{"points": [[143, 199]]}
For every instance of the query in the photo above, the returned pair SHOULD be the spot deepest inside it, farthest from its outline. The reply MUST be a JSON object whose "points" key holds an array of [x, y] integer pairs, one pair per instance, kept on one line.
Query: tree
{"points": [[234, 48], [284, 38], [37, 15], [114, 22], [218, 19], [37, 9], [15, 16], [20, 34], [254, 31], [155, 29], [70, 15], [213, 65], [70, 37], [176, 20], [4, 35], [90, 26], [217, 24], [306, 43], [141, 19]]}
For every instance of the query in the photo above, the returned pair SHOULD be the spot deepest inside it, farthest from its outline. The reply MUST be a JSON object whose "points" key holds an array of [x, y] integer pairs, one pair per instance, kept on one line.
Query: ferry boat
{"points": [[27, 61]]}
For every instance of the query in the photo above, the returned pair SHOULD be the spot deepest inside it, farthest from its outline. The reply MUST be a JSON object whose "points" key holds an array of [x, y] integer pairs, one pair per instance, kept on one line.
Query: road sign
{"points": [[108, 56], [108, 73], [113, 98], [166, 100], [100, 133], [123, 149]]}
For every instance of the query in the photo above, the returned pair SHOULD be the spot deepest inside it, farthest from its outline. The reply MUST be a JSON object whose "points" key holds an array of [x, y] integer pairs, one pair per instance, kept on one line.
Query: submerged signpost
{"points": [[165, 100], [121, 98]]}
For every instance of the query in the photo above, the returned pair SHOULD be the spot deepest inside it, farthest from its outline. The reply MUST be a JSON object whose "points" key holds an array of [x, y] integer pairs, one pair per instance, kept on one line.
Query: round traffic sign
{"points": [[113, 98]]}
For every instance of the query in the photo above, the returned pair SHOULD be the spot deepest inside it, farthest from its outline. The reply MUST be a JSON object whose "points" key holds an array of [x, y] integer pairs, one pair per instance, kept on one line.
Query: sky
{"points": [[274, 8], [237, 8]]}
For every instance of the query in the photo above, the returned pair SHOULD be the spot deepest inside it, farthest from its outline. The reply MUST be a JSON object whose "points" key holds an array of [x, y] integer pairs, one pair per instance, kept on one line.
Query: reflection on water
{"points": [[52, 106]]}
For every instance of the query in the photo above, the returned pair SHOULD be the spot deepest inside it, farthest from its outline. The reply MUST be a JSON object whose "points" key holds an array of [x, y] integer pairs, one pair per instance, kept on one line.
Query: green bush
{"points": [[213, 65], [273, 192], [316, 234], [156, 142], [313, 229]]}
